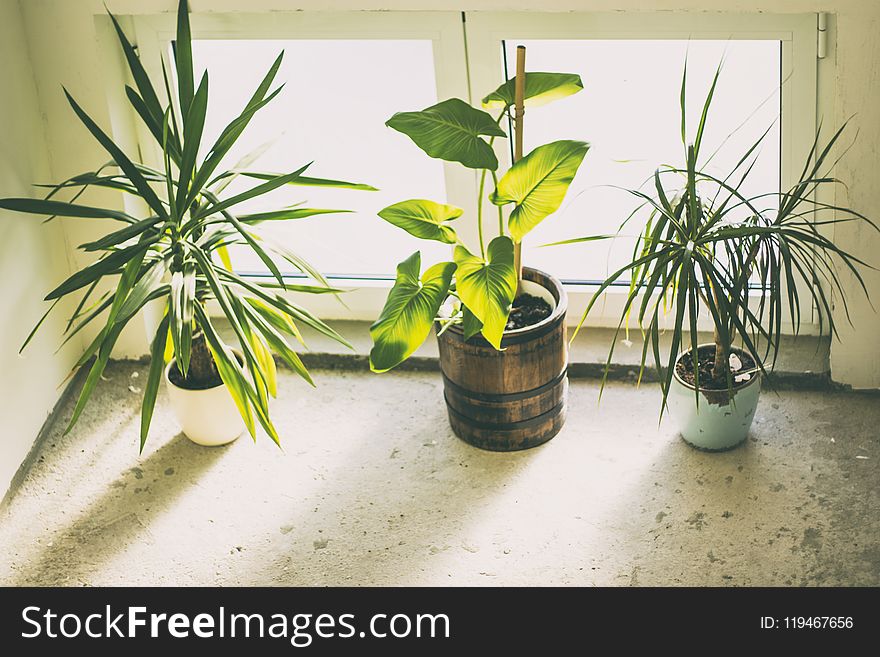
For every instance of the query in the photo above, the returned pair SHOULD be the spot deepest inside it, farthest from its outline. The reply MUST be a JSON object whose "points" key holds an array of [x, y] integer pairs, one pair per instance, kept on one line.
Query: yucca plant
{"points": [[706, 246], [176, 253]]}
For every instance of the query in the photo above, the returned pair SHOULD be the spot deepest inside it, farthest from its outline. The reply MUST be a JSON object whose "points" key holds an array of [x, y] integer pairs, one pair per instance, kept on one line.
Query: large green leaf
{"points": [[120, 158], [470, 325], [487, 288], [424, 219], [541, 88], [538, 183], [451, 131], [409, 312]]}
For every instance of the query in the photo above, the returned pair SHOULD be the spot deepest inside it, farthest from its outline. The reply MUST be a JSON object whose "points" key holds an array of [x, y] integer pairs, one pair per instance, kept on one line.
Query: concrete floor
{"points": [[372, 488]]}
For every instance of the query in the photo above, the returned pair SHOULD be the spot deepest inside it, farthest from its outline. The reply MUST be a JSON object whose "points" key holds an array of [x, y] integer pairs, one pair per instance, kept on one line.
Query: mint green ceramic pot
{"points": [[713, 420]]}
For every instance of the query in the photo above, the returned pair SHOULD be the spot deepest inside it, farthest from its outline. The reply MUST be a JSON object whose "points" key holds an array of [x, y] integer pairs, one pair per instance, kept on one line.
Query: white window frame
{"points": [[365, 296], [468, 65], [797, 32]]}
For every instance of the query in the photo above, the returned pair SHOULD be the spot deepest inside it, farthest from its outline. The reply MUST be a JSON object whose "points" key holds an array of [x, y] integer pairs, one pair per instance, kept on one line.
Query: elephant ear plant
{"points": [[706, 246], [483, 282], [176, 252], [501, 327]]}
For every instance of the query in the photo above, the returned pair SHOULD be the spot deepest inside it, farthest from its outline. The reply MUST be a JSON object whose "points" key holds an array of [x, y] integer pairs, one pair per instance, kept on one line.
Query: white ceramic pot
{"points": [[720, 421], [207, 417]]}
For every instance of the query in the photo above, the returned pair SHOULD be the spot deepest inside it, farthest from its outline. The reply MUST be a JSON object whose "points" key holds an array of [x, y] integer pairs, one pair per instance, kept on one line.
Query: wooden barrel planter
{"points": [[515, 398]]}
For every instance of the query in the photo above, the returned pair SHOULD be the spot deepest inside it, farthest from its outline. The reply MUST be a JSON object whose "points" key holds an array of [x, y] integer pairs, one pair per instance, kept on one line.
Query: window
{"points": [[629, 112], [646, 51], [343, 74], [337, 96]]}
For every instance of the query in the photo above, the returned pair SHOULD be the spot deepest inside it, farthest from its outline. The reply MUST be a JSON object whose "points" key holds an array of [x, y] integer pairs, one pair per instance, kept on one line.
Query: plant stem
{"points": [[202, 369], [500, 209], [722, 362], [519, 101], [480, 198], [746, 274], [480, 211]]}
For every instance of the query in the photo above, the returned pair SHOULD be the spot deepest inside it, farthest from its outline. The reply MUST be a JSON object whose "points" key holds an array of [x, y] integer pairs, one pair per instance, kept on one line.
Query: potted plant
{"points": [[708, 247], [176, 254], [501, 327]]}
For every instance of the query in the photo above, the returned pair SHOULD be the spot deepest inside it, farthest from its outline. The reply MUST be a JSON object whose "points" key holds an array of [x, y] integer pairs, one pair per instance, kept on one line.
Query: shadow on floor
{"points": [[119, 517], [399, 497], [759, 515]]}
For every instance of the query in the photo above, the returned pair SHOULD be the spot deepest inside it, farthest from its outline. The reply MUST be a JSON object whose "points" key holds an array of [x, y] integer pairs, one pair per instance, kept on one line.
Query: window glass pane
{"points": [[332, 110], [629, 112]]}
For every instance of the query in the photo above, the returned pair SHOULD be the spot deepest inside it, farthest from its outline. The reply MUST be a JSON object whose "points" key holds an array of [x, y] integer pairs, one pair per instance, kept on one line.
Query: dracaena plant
{"points": [[482, 282], [706, 246], [176, 252]]}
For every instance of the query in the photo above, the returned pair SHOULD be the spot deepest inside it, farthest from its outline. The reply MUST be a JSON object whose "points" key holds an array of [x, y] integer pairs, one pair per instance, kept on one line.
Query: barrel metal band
{"points": [[507, 426], [503, 397]]}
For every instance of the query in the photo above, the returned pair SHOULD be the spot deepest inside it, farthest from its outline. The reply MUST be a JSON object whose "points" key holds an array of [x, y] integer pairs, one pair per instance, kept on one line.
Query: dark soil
{"points": [[203, 374], [527, 311], [191, 382], [708, 381]]}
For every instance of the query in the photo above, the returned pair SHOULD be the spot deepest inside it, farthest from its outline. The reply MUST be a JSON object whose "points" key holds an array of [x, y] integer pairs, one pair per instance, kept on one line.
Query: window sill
{"points": [[803, 361]]}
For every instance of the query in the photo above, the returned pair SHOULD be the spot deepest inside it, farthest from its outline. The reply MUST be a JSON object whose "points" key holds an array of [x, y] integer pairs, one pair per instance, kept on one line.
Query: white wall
{"points": [[66, 46], [32, 259]]}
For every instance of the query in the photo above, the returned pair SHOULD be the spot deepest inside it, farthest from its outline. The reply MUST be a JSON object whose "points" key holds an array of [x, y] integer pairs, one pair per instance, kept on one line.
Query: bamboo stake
{"points": [[519, 111]]}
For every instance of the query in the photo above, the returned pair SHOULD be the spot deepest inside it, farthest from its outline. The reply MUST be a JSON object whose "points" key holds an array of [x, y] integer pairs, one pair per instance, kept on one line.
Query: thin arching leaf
{"points": [[122, 160], [229, 369], [62, 209], [253, 192], [193, 125], [286, 214], [37, 326], [705, 113], [183, 57], [154, 378], [102, 267], [306, 181], [138, 73], [233, 131], [277, 342], [120, 236]]}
